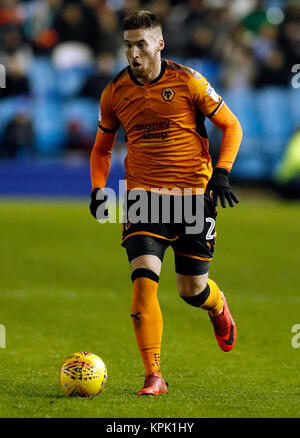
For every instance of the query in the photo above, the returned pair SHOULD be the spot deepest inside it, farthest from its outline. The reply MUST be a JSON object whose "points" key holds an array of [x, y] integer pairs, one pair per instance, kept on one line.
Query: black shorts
{"points": [[192, 252]]}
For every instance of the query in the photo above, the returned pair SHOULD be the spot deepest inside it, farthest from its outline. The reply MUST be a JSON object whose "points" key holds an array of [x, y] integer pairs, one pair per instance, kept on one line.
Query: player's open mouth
{"points": [[136, 64]]}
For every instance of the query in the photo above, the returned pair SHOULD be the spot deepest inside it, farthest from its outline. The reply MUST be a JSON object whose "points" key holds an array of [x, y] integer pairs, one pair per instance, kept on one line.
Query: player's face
{"points": [[142, 49]]}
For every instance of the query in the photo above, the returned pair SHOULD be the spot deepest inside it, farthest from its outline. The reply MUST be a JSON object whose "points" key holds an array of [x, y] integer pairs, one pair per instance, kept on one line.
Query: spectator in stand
{"points": [[272, 68], [194, 25], [18, 137], [110, 38], [104, 73], [11, 39], [265, 41], [78, 143], [16, 80], [200, 42], [256, 18], [289, 36], [10, 13], [238, 67], [207, 29], [273, 71], [129, 7], [38, 25], [14, 49], [198, 11], [77, 23]]}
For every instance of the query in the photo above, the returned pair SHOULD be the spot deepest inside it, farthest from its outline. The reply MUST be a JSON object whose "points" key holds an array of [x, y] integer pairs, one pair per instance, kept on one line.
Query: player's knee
{"points": [[189, 286], [199, 299], [148, 261]]}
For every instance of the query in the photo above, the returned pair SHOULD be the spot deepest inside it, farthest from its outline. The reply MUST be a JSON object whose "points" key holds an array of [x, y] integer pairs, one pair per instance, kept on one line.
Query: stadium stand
{"points": [[247, 53]]}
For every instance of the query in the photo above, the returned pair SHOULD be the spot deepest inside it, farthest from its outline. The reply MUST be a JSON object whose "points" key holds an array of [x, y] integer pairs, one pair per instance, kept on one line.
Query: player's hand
{"points": [[220, 187], [97, 205]]}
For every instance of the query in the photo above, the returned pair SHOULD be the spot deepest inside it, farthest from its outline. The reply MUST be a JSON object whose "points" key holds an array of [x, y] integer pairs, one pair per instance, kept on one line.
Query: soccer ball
{"points": [[82, 374]]}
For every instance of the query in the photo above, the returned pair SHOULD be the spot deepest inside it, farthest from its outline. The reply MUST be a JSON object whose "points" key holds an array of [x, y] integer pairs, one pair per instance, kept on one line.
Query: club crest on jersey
{"points": [[168, 94]]}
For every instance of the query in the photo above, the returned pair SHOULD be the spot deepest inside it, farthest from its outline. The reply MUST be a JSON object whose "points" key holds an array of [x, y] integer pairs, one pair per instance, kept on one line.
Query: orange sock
{"points": [[147, 322], [214, 302]]}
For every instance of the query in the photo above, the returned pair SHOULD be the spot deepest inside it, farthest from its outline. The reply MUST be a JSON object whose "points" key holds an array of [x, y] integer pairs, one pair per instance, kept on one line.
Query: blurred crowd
{"points": [[241, 43]]}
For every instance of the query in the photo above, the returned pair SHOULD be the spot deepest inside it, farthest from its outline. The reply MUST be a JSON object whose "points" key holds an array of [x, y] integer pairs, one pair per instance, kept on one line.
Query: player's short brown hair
{"points": [[141, 20]]}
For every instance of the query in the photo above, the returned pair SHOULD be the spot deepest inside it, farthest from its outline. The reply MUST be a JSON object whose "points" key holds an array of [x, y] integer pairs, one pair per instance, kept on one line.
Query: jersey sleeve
{"points": [[107, 120], [203, 95], [232, 136]]}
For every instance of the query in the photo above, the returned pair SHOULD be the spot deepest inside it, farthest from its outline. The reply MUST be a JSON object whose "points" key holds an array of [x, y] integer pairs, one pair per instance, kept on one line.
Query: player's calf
{"points": [[213, 300], [209, 298]]}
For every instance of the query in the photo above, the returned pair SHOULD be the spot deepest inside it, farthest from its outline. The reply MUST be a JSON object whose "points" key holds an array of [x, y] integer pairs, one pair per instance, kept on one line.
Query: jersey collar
{"points": [[162, 71]]}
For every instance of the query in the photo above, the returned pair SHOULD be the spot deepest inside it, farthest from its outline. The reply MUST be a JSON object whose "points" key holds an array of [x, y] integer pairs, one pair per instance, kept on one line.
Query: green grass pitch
{"points": [[65, 287]]}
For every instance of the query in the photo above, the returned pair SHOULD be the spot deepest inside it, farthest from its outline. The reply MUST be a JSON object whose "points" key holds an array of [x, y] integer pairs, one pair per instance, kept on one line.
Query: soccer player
{"points": [[162, 107]]}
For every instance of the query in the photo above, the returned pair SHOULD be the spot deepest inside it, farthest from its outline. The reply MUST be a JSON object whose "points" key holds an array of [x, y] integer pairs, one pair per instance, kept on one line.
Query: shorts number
{"points": [[209, 235]]}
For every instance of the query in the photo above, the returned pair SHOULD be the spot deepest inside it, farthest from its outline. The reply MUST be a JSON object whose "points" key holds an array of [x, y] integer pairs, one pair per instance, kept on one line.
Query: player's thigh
{"points": [[145, 252], [194, 252], [190, 285]]}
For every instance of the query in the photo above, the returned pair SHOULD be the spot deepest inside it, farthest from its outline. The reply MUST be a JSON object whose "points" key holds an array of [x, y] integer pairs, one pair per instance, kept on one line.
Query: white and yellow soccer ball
{"points": [[82, 374]]}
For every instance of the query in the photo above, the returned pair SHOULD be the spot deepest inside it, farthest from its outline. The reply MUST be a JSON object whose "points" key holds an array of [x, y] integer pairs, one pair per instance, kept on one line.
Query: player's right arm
{"points": [[101, 157], [101, 154]]}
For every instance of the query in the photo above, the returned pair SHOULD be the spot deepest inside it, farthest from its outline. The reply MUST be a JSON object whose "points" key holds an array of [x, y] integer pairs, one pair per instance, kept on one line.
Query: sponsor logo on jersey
{"points": [[148, 129]]}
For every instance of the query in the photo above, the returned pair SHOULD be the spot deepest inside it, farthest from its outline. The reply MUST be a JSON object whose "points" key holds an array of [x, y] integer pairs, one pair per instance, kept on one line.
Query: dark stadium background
{"points": [[65, 280], [59, 55]]}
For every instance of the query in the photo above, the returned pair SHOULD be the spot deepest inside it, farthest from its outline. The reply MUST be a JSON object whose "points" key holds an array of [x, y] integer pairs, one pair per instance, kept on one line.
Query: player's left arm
{"points": [[231, 128], [205, 98]]}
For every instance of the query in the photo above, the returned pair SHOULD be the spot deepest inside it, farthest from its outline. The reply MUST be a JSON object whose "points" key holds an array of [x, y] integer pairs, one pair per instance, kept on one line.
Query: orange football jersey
{"points": [[167, 144]]}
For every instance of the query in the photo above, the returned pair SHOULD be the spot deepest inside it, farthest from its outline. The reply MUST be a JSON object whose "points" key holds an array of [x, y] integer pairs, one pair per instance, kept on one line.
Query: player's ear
{"points": [[161, 45]]}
